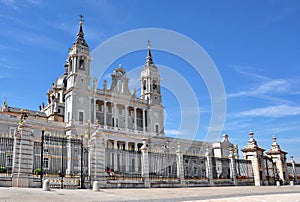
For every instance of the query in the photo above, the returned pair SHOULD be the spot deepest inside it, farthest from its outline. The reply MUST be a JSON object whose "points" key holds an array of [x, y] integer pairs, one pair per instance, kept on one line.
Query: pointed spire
{"points": [[274, 138], [149, 60], [4, 105], [80, 36]]}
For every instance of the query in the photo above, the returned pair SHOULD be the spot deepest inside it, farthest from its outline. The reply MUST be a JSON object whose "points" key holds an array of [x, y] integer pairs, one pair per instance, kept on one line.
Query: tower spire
{"points": [[80, 36], [149, 60]]}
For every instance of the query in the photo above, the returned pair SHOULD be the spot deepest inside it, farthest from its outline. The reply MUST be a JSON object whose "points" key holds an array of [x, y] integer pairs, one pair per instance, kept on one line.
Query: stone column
{"points": [[104, 112], [97, 159], [180, 168], [145, 164], [23, 158], [255, 153], [126, 117], [127, 157], [115, 155], [279, 157], [115, 116], [232, 166], [209, 167], [135, 124], [144, 122], [69, 169], [294, 169], [94, 111]]}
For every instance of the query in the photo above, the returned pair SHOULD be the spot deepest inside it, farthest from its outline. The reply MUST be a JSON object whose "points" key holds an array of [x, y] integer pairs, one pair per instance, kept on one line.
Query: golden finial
{"points": [[81, 19]]}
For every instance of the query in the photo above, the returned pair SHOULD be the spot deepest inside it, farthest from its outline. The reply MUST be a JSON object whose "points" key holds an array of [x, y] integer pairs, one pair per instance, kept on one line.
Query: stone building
{"points": [[94, 132]]}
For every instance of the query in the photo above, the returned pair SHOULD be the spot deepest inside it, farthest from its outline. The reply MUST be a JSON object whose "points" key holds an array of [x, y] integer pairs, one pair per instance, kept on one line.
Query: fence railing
{"points": [[162, 166], [122, 164], [6, 155]]}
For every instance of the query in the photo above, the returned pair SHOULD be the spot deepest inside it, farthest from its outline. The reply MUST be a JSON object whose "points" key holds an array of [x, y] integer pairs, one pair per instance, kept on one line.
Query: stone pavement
{"points": [[219, 194]]}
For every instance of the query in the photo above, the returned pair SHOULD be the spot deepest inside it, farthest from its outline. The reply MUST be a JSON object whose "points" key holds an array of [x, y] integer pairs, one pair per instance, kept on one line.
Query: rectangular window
{"points": [[9, 161], [46, 163], [68, 116], [156, 129], [80, 119]]}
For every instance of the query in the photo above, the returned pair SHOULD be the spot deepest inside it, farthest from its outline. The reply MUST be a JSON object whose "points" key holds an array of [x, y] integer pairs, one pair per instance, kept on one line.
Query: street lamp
{"points": [[42, 156]]}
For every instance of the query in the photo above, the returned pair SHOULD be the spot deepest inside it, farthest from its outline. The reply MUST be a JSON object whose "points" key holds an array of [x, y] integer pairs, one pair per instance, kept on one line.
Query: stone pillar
{"points": [[127, 157], [145, 164], [97, 159], [136, 160], [23, 158], [69, 169], [232, 166], [180, 168], [126, 117], [255, 153], [115, 155], [135, 124], [94, 111], [294, 169], [144, 122], [209, 167], [115, 116], [279, 157], [104, 112]]}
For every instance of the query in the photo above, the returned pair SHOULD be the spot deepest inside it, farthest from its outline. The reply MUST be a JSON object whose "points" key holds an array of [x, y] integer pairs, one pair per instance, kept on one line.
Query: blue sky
{"points": [[254, 44]]}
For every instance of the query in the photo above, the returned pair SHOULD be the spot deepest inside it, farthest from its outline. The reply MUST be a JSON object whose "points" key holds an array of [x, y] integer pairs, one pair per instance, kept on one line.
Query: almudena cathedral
{"points": [[114, 138]]}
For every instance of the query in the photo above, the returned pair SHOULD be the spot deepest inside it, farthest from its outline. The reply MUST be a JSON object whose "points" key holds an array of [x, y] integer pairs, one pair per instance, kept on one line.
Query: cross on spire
{"points": [[149, 45], [81, 19]]}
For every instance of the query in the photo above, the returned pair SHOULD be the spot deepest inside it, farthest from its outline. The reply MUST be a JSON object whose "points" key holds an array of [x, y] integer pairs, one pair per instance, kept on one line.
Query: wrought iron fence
{"points": [[162, 166], [297, 171], [6, 154], [270, 170], [221, 168], [64, 162], [123, 164], [195, 167], [244, 170]]}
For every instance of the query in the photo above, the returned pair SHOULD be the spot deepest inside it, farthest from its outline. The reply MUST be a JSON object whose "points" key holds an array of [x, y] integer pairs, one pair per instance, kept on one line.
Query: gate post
{"points": [[23, 155], [232, 166], [255, 153], [279, 157], [145, 164], [209, 167], [294, 169], [97, 159], [180, 168]]}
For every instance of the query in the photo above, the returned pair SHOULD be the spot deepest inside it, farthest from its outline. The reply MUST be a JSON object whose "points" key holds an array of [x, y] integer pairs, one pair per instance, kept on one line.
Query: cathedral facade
{"points": [[91, 132]]}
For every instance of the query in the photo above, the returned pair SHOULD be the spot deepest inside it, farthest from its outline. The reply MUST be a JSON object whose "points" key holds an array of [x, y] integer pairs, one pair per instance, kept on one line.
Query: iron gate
{"points": [[270, 171], [61, 160]]}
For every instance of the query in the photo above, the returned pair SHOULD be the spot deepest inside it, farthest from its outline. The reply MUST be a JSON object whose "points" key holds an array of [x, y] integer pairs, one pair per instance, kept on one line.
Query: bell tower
{"points": [[150, 91], [150, 81], [77, 95], [78, 62]]}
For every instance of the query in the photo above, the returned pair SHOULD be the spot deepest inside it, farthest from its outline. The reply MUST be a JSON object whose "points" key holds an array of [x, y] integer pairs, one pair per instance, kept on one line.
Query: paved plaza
{"points": [[267, 193]]}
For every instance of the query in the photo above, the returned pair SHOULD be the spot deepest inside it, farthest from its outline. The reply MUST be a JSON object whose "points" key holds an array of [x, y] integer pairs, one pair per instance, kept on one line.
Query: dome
{"points": [[61, 82]]}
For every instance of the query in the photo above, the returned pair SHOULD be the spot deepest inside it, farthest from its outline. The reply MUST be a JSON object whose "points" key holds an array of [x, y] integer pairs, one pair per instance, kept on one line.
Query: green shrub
{"points": [[3, 169], [37, 171]]}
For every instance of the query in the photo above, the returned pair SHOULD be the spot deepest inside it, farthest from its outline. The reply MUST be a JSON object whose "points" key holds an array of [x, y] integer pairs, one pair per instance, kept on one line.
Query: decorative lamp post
{"points": [[42, 156]]}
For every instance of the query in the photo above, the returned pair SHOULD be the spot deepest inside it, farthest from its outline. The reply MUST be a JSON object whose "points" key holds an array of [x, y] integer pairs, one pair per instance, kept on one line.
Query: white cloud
{"points": [[272, 111], [269, 87], [19, 4]]}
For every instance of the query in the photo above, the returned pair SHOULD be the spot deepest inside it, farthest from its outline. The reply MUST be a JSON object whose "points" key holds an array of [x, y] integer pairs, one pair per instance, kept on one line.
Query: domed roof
{"points": [[61, 82]]}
